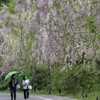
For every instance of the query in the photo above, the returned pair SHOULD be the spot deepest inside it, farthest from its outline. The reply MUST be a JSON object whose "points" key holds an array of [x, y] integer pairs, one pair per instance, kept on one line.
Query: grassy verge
{"points": [[90, 96], [78, 96]]}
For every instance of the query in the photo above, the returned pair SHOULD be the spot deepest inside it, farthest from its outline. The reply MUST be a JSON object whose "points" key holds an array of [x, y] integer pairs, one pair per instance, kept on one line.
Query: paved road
{"points": [[6, 96]]}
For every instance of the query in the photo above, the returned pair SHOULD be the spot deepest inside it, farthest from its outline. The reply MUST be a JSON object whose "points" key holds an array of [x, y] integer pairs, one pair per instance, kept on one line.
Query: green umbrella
{"points": [[10, 74], [20, 76], [23, 73]]}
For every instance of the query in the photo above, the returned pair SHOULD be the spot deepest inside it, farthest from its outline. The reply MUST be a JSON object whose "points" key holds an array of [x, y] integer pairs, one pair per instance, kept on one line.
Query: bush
{"points": [[3, 84], [75, 79], [39, 79]]}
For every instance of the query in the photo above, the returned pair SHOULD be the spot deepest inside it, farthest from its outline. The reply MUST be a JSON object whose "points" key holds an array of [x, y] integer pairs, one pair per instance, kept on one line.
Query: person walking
{"points": [[25, 84], [12, 84]]}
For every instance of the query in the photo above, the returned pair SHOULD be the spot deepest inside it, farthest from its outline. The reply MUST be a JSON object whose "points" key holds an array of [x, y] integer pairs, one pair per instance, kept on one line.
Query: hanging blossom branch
{"points": [[61, 29]]}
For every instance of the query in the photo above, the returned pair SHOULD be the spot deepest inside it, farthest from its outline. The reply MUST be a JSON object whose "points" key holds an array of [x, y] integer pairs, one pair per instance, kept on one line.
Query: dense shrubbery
{"points": [[3, 84], [39, 79], [76, 79]]}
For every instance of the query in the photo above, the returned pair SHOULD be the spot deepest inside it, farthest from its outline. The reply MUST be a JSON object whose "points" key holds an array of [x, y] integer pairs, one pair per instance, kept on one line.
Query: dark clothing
{"points": [[12, 85], [26, 93], [13, 93]]}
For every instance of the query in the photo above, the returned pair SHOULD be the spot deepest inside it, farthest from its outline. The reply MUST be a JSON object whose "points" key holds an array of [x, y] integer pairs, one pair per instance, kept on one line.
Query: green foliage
{"points": [[4, 2], [1, 63], [3, 84], [82, 78], [39, 79], [11, 6], [75, 79], [58, 78]]}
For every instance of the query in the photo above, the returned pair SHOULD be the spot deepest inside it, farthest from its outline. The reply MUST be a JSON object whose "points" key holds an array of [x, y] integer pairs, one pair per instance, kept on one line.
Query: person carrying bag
{"points": [[12, 84], [26, 87]]}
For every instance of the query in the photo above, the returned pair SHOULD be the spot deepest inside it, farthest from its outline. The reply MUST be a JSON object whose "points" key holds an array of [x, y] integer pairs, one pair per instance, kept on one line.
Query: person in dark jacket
{"points": [[12, 84]]}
